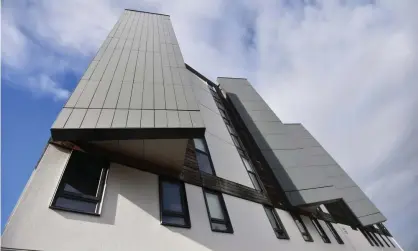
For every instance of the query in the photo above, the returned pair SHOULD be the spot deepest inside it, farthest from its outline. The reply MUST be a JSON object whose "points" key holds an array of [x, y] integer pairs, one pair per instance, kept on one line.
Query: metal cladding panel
{"points": [[139, 69], [305, 171]]}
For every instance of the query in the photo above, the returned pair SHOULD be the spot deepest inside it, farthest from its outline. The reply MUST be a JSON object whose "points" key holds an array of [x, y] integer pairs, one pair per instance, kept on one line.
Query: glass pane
{"points": [[231, 130], [174, 220], [204, 163], [219, 226], [223, 114], [214, 205], [82, 175], [89, 207], [254, 180], [248, 164], [271, 218], [300, 226], [200, 144], [172, 197]]}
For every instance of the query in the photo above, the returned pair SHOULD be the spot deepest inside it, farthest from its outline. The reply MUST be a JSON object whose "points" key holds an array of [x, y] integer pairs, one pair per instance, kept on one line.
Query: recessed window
{"points": [[334, 232], [236, 141], [218, 215], [374, 235], [366, 235], [276, 223], [302, 228], [82, 184], [173, 203], [320, 230], [252, 173], [223, 112], [203, 158]]}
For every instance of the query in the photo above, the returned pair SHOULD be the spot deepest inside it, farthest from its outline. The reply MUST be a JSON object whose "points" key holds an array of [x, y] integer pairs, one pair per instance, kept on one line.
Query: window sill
{"points": [[223, 231], [73, 211], [175, 225]]}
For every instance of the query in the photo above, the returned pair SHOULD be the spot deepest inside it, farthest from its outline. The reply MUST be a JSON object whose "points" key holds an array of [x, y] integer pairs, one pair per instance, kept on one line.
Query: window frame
{"points": [[280, 231], [207, 153], [297, 217], [383, 239], [334, 232], [369, 239], [100, 190], [184, 204], [320, 230], [226, 221], [251, 173]]}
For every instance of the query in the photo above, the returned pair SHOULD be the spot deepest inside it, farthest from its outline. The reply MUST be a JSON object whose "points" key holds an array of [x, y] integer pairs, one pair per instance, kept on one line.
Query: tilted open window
{"points": [[334, 232], [320, 230], [203, 157], [82, 185], [276, 223], [302, 228]]}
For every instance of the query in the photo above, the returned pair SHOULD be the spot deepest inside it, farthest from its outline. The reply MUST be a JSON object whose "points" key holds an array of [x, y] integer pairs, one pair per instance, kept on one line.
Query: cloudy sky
{"points": [[347, 70]]}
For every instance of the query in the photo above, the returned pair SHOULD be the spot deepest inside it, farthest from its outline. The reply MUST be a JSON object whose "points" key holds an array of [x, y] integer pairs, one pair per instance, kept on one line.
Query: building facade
{"points": [[149, 154]]}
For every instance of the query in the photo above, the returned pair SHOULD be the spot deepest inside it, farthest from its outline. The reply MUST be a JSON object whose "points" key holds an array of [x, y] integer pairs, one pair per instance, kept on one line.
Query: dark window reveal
{"points": [[320, 230], [173, 203], [218, 215], [276, 223], [334, 232], [82, 184], [252, 173], [302, 228]]}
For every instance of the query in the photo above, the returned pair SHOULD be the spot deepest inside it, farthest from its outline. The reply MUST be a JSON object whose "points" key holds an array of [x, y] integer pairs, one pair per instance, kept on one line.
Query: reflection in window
{"points": [[302, 228], [173, 203], [82, 184], [218, 216], [320, 230]]}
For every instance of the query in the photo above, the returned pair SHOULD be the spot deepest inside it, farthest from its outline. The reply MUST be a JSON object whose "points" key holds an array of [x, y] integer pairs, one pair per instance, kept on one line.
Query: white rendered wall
{"points": [[130, 219]]}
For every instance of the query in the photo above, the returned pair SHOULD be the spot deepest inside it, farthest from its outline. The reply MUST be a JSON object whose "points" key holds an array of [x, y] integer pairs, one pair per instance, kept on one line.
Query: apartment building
{"points": [[149, 154]]}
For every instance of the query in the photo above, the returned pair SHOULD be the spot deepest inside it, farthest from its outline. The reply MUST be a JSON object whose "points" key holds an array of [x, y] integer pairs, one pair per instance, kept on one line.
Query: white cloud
{"points": [[347, 72]]}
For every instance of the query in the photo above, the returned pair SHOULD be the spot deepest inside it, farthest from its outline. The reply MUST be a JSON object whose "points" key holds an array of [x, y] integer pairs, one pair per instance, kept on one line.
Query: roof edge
{"points": [[148, 12]]}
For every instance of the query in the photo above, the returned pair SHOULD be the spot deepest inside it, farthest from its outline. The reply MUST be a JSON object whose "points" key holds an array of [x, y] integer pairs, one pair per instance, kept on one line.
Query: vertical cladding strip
{"points": [[147, 118], [62, 118], [179, 57], [128, 25], [91, 118], [121, 68], [105, 118], [100, 94], [138, 31], [160, 118], [164, 56], [125, 96], [140, 68], [75, 119], [87, 95], [132, 31], [119, 120], [175, 73], [144, 33], [197, 120], [150, 34], [180, 97], [116, 26], [90, 69], [173, 120], [170, 97], [104, 61], [122, 25], [156, 41], [130, 68], [134, 118], [185, 120], [148, 93], [102, 49], [136, 96], [76, 93]]}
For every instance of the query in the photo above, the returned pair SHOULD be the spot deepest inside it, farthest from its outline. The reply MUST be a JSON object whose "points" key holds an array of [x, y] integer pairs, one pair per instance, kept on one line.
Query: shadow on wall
{"points": [[123, 183]]}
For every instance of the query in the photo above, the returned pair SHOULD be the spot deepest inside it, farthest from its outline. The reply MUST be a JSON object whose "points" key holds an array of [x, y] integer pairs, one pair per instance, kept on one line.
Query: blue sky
{"points": [[347, 71]]}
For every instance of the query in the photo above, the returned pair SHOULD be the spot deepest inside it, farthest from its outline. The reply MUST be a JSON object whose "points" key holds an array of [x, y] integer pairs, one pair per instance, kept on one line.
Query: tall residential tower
{"points": [[149, 154]]}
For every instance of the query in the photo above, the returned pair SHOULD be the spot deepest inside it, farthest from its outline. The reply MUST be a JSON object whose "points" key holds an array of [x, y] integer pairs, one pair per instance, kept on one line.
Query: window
{"points": [[381, 237], [302, 228], [354, 228], [367, 236], [251, 173], [236, 141], [223, 112], [334, 232], [320, 230], [388, 238], [173, 203], [82, 185], [374, 235], [202, 155], [276, 223], [218, 216]]}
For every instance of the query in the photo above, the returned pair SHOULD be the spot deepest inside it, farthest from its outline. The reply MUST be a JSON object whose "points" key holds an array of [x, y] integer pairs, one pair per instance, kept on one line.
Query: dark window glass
{"points": [[320, 230], [255, 182], [354, 228], [391, 243], [334, 232], [203, 157], [218, 216], [374, 235], [302, 228], [173, 203], [82, 184], [381, 237], [223, 112], [276, 223], [204, 162], [236, 141]]}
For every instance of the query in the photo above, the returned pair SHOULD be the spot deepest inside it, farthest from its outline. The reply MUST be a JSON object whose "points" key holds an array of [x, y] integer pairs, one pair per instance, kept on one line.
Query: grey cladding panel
{"points": [[306, 172], [137, 79]]}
